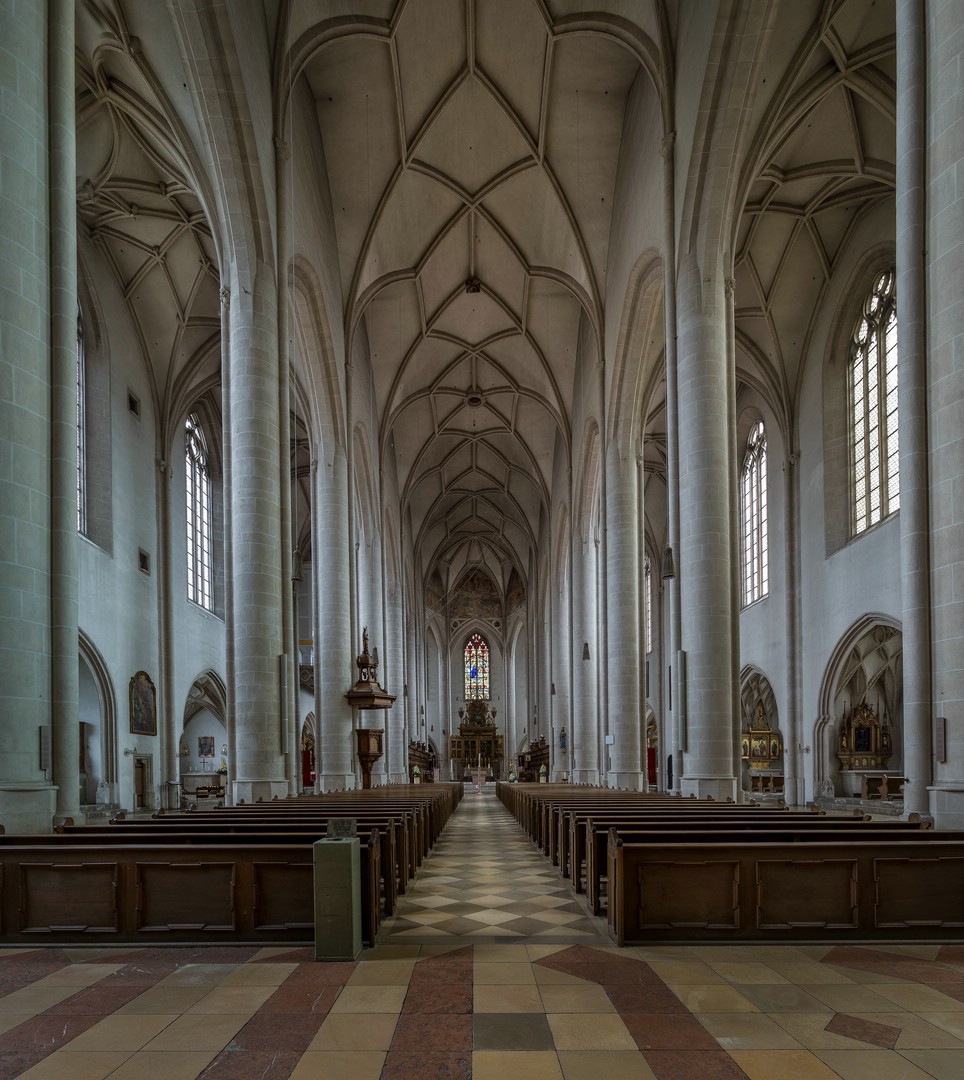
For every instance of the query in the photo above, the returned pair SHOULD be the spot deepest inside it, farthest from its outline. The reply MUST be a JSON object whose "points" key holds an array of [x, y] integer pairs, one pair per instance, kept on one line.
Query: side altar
{"points": [[478, 743]]}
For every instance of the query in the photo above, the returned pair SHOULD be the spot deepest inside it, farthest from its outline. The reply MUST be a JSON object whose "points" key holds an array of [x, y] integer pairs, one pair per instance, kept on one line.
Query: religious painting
{"points": [[205, 746], [143, 705]]}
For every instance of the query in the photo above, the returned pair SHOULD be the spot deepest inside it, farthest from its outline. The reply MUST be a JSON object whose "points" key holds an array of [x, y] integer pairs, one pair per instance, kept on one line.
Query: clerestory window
{"points": [[476, 656], [874, 447], [753, 501], [198, 491]]}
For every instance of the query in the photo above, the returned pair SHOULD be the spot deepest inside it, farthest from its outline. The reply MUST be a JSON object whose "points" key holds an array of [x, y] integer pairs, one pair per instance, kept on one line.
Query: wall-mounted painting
{"points": [[205, 746], [143, 705]]}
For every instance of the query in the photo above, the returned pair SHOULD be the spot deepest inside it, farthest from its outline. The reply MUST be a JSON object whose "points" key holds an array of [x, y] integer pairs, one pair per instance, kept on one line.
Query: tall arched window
{"points": [[476, 656], [648, 580], [81, 431], [753, 500], [873, 408], [198, 491]]}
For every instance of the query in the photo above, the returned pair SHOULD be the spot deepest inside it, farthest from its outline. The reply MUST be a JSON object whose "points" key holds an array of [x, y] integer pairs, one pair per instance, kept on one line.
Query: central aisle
{"points": [[485, 881]]}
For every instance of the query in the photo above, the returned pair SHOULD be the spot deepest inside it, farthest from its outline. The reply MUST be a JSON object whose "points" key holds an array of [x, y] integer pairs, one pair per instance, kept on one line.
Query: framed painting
{"points": [[205, 746], [143, 705]]}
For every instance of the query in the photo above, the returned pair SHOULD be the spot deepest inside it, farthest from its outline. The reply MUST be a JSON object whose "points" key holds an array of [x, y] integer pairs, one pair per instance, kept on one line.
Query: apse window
{"points": [[476, 657], [753, 504], [198, 492], [875, 451]]}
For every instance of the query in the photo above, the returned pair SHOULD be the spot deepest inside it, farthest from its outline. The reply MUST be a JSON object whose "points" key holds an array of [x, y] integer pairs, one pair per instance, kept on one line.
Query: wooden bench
{"points": [[837, 890]]}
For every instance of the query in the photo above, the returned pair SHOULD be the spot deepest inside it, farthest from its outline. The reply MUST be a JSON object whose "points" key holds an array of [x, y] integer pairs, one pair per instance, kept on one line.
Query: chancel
{"points": [[546, 394]]}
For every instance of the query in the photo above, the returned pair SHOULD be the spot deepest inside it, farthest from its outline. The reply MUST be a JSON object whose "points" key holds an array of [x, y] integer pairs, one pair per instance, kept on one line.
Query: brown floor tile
{"points": [[667, 1031], [415, 1065], [278, 1031], [694, 1065], [253, 1065], [853, 1027], [45, 1033], [427, 999], [13, 1065], [432, 1032]]}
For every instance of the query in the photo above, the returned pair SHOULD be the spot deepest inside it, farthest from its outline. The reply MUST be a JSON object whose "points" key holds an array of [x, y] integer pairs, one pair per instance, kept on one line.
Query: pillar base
{"points": [[719, 788], [946, 804], [584, 776], [249, 791], [29, 808], [336, 782], [631, 780]]}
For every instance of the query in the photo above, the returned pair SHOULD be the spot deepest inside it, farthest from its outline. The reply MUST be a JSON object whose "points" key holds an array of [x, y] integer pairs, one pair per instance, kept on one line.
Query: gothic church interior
{"points": [[601, 362]]}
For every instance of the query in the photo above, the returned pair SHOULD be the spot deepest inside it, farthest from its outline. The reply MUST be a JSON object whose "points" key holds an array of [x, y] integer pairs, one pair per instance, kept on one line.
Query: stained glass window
{"points": [[476, 668], [648, 580], [873, 408], [81, 431]]}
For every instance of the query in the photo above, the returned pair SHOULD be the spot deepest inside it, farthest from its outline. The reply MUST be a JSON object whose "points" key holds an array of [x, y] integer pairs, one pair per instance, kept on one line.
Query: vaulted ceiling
{"points": [[472, 152]]}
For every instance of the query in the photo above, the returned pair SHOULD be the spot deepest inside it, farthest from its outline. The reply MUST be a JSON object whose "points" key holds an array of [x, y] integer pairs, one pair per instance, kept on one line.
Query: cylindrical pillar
{"points": [[912, 401], [705, 566], [585, 745], [255, 498]]}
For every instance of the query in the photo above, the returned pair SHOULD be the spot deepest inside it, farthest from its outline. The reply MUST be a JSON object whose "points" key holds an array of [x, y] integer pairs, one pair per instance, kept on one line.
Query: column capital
{"points": [[282, 152], [730, 286], [667, 143], [225, 296]]}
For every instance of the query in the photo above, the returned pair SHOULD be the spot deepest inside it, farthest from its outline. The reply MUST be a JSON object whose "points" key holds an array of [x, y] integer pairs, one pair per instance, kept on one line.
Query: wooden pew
{"points": [[737, 891]]}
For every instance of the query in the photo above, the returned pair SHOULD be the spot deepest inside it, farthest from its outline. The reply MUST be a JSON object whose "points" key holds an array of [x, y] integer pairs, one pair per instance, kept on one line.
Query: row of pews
{"points": [[663, 868], [224, 875]]}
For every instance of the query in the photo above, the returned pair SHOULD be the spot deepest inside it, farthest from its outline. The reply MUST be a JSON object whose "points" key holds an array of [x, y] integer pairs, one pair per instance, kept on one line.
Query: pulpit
{"points": [[370, 749]]}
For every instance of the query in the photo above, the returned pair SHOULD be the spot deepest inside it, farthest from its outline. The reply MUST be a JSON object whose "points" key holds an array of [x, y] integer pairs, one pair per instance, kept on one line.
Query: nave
{"points": [[491, 970]]}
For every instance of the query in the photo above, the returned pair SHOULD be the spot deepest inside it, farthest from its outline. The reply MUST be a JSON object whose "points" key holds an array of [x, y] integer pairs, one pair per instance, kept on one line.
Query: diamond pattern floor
{"points": [[485, 882]]}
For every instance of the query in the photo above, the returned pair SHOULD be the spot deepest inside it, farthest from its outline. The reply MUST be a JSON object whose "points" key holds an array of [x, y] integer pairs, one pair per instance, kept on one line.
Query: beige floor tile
{"points": [[810, 972], [746, 972], [680, 972], [61, 1066], [175, 999], [872, 1065], [383, 973], [78, 975], [917, 998], [748, 1031], [783, 1065], [507, 998], [503, 954], [589, 1031], [540, 952], [233, 999], [370, 999], [947, 1021], [809, 1029], [355, 1031], [31, 1000], [611, 1064], [198, 975], [550, 977], [496, 973], [339, 1065], [916, 1033], [713, 999], [260, 975], [198, 1031], [854, 999], [575, 999], [515, 1065], [941, 1064], [171, 1065], [116, 1032]]}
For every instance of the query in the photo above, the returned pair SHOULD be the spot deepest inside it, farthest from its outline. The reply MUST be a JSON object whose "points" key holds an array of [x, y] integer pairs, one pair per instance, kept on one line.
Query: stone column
{"points": [[393, 680], [622, 582], [334, 654], [585, 741], [62, 175], [38, 372], [704, 568], [912, 402], [940, 308], [255, 497]]}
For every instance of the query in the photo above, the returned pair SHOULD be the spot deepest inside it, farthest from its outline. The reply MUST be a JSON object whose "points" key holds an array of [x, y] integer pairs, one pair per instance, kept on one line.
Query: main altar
{"points": [[478, 744]]}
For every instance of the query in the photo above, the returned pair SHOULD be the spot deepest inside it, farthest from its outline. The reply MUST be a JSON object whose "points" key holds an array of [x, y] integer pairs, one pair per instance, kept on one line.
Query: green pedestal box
{"points": [[337, 899]]}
